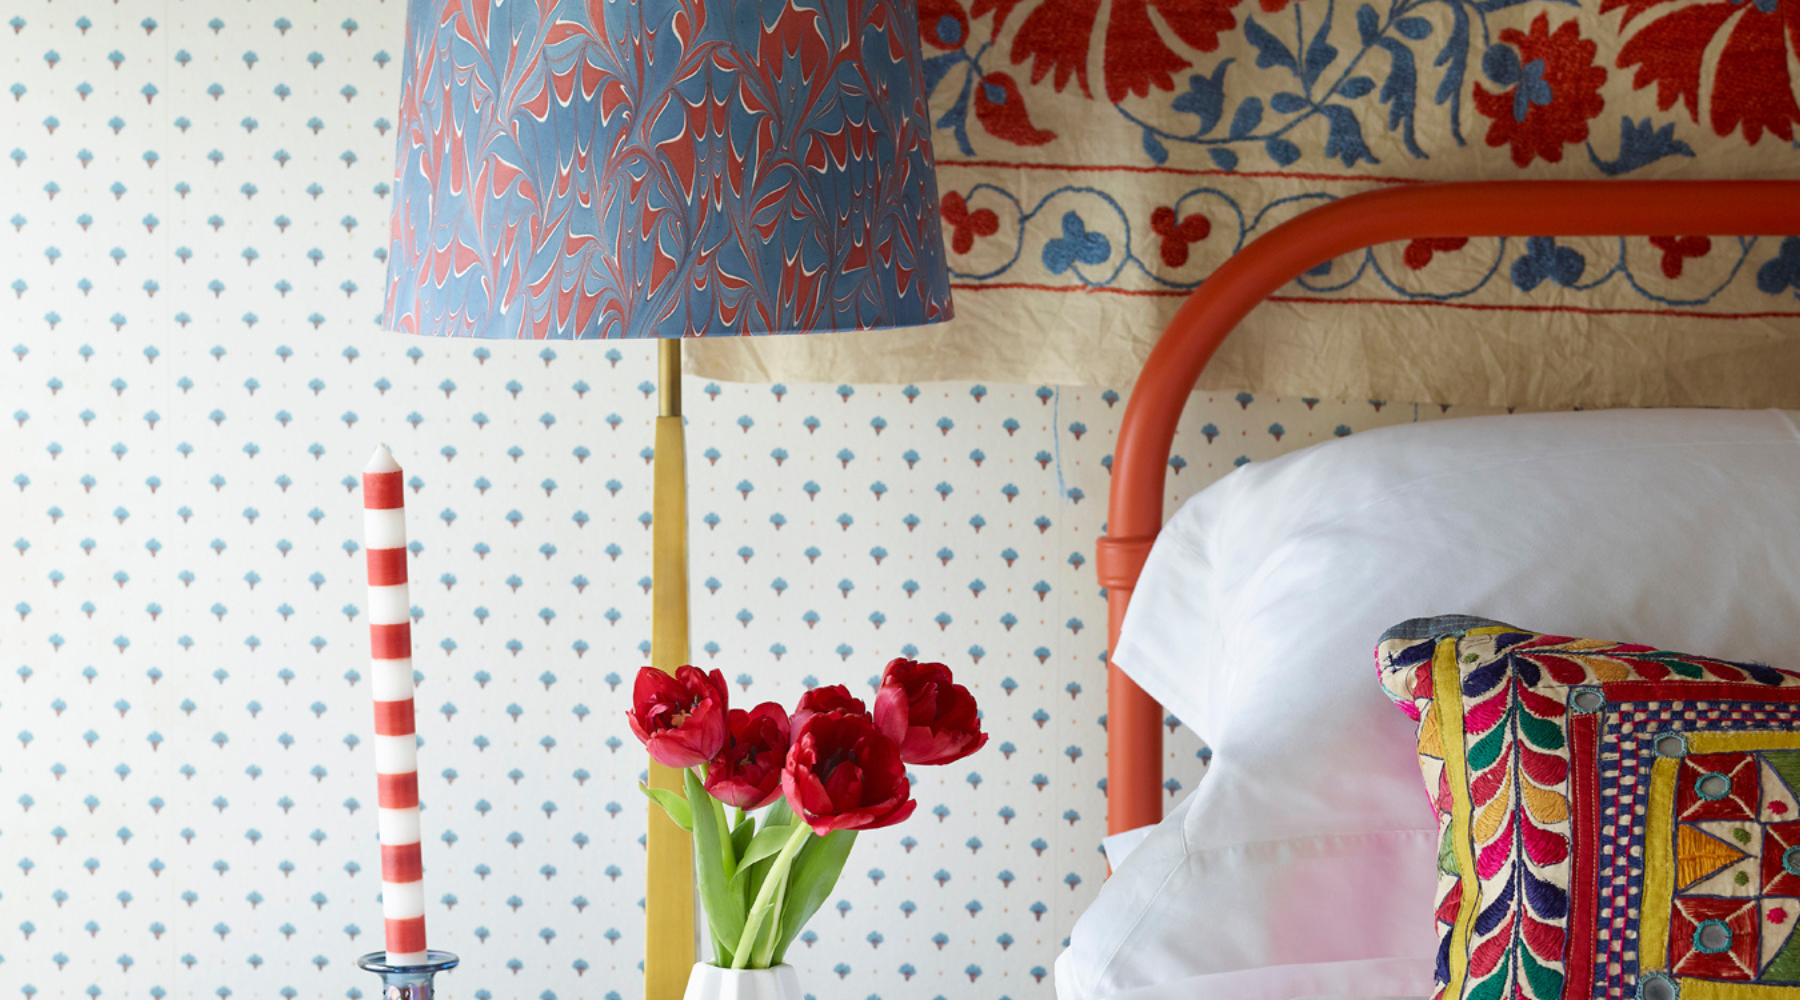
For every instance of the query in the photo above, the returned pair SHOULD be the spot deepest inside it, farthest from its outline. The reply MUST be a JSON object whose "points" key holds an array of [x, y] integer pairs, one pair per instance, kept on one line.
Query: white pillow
{"points": [[1257, 615]]}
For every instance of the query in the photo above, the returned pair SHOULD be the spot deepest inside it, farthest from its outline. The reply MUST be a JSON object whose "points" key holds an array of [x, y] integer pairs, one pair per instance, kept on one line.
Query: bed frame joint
{"points": [[1119, 561]]}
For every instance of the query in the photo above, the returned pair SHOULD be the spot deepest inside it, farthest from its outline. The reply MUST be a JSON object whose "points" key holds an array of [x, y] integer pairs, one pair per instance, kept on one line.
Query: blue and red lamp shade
{"points": [[576, 169]]}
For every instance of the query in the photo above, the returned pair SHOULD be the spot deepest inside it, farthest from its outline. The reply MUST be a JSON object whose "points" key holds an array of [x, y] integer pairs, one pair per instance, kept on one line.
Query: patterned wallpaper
{"points": [[194, 379]]}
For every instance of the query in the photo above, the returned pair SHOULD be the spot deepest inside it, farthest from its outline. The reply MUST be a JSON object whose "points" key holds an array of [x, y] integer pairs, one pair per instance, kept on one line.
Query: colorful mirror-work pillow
{"points": [[1617, 822]]}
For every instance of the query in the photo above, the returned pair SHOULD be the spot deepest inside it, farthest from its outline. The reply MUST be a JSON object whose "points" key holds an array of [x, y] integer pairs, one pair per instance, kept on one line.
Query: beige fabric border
{"points": [[1400, 352]]}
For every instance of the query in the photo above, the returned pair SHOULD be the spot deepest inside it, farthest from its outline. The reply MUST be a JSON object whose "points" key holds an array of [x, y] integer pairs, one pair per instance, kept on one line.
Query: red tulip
{"points": [[680, 719], [933, 719], [836, 698], [843, 774], [747, 772]]}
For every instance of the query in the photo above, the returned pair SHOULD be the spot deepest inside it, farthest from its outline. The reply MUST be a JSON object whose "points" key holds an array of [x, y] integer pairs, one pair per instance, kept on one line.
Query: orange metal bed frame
{"points": [[1478, 209]]}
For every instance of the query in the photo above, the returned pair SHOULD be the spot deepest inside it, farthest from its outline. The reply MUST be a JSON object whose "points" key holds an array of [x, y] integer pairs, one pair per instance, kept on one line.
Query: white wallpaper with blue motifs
{"points": [[191, 380]]}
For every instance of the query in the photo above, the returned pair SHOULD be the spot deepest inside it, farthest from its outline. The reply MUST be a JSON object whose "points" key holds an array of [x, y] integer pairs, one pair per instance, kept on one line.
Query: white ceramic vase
{"points": [[709, 982]]}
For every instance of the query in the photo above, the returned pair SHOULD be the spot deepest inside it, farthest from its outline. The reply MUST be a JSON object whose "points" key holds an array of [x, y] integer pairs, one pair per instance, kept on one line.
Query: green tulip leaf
{"points": [[741, 836], [815, 874], [724, 908], [766, 844], [779, 814], [673, 804]]}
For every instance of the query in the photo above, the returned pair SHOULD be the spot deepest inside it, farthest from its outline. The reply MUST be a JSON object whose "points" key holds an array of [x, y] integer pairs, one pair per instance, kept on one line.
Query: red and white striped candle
{"points": [[396, 747]]}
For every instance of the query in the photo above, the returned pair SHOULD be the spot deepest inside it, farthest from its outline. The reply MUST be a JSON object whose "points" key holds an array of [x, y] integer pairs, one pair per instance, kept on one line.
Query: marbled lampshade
{"points": [[577, 169]]}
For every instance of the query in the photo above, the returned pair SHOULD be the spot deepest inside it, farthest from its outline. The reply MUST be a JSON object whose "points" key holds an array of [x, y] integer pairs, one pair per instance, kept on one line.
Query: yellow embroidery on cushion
{"points": [[1725, 742], [1431, 738], [1492, 815], [1606, 671], [1544, 805], [1446, 705], [1707, 989], [1698, 855], [1659, 867]]}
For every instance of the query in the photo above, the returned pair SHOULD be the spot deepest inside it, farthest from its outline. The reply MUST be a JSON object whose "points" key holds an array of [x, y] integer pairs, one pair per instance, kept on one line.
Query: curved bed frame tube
{"points": [[1477, 209]]}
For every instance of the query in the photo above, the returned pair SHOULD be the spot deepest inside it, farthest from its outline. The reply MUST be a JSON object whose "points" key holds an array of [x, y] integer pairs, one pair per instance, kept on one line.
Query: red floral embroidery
{"points": [[1561, 63], [1177, 236], [1001, 110], [1752, 84], [1057, 36], [1677, 248], [943, 24], [1419, 252], [966, 225], [1000, 8]]}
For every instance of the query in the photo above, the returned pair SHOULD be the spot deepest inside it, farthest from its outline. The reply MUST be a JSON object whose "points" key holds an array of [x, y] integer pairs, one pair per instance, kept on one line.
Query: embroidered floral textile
{"points": [[1554, 90], [1617, 821], [1244, 113]]}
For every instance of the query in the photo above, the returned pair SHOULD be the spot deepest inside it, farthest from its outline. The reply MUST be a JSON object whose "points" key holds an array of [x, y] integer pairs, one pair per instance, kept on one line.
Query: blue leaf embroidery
{"points": [[1640, 144], [1454, 58], [1415, 28], [1401, 93], [1544, 260], [1287, 103], [1075, 246], [1345, 140], [1154, 148], [1281, 151], [1321, 53], [1368, 25], [1783, 272], [1269, 50], [1205, 98], [935, 68], [1249, 115]]}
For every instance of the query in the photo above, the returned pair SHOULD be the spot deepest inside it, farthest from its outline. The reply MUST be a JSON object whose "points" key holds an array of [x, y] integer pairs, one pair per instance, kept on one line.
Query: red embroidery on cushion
{"points": [[1738, 797], [1739, 959], [1584, 804], [1778, 839]]}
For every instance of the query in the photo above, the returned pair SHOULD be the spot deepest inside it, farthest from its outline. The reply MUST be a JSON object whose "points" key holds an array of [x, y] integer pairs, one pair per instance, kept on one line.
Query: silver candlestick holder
{"points": [[407, 982]]}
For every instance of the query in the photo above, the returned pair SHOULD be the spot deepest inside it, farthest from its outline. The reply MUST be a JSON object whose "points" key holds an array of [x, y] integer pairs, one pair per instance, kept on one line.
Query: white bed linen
{"points": [[1391, 979], [1310, 840]]}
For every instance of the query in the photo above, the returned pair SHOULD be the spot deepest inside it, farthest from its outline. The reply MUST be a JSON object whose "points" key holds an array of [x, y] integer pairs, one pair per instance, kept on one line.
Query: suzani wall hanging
{"points": [[1097, 160]]}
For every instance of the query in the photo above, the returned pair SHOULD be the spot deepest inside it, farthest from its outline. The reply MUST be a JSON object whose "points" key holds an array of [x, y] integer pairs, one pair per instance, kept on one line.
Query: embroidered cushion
{"points": [[1616, 821]]}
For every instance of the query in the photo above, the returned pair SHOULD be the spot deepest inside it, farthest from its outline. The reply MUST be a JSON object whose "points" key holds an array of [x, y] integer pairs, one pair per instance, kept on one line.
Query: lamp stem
{"points": [[668, 377], [669, 874]]}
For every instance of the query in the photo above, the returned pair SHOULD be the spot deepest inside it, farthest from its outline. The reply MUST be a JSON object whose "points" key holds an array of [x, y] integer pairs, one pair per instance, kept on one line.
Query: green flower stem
{"points": [[765, 897], [765, 948], [725, 845]]}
